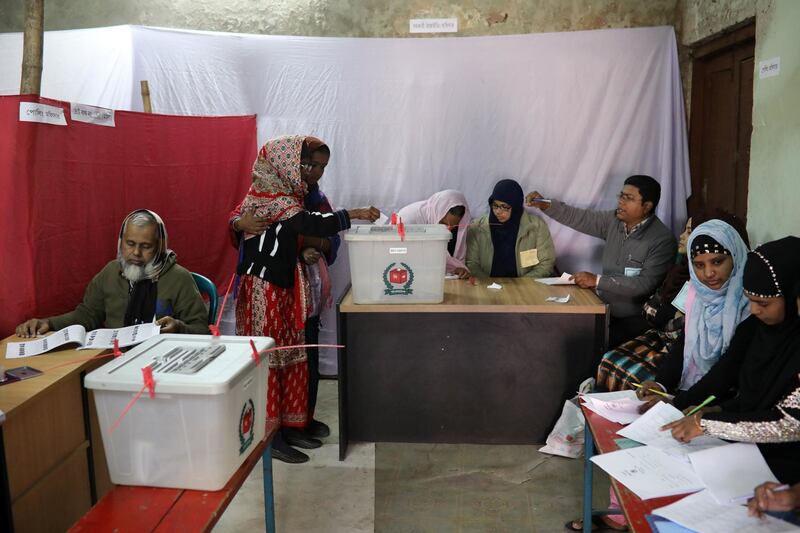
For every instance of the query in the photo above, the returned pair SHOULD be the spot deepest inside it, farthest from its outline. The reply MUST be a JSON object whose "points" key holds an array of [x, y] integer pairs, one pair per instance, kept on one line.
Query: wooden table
{"points": [[147, 509], [601, 434], [52, 463], [484, 366]]}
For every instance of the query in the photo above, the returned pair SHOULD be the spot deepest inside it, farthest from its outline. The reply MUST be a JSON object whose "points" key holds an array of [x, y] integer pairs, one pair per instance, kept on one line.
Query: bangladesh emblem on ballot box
{"points": [[398, 279], [246, 426]]}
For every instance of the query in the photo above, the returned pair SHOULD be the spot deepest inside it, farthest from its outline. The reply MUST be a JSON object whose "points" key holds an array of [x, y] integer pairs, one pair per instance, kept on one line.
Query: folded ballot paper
{"points": [[621, 407], [77, 334], [700, 512], [564, 279]]}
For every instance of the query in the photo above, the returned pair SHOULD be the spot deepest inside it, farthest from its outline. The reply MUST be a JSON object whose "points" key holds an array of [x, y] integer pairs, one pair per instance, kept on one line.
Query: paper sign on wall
{"points": [[769, 68], [91, 114], [46, 114], [433, 25]]}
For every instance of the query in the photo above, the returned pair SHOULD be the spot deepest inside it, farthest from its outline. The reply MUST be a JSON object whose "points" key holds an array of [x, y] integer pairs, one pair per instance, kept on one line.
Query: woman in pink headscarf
{"points": [[448, 207]]}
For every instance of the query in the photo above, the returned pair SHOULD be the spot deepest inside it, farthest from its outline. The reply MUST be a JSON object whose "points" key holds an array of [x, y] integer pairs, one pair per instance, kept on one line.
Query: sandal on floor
{"points": [[598, 524]]}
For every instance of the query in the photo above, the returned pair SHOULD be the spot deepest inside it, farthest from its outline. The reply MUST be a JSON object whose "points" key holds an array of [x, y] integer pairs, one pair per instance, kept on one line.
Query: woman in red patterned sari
{"points": [[273, 292]]}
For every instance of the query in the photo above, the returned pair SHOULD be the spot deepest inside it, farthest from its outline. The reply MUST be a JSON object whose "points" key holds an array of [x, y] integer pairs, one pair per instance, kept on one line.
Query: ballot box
{"points": [[208, 414], [397, 266]]}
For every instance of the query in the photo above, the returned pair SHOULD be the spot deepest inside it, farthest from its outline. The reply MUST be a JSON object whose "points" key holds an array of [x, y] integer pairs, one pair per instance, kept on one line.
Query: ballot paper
{"points": [[557, 299], [495, 286], [731, 472], [620, 406], [647, 430], [382, 219], [96, 339], [700, 512], [649, 472], [564, 279]]}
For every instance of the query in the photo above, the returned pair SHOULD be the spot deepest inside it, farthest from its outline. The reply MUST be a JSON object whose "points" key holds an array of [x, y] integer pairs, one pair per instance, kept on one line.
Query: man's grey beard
{"points": [[134, 273]]}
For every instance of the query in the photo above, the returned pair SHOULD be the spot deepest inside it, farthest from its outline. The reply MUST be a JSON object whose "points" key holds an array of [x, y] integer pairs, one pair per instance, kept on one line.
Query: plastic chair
{"points": [[205, 286]]}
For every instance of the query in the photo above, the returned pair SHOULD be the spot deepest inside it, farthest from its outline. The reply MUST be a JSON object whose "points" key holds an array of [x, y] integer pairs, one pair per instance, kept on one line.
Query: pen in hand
{"points": [[654, 391], [705, 402]]}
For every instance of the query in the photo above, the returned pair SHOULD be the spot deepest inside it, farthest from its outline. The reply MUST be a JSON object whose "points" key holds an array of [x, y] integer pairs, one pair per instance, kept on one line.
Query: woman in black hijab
{"points": [[760, 367], [509, 242]]}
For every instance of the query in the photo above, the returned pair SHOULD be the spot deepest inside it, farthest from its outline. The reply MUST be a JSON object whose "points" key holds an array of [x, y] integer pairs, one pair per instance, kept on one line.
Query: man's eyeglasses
{"points": [[501, 207], [626, 197]]}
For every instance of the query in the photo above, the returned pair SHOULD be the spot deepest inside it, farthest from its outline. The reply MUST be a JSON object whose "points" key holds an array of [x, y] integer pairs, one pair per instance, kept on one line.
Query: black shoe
{"points": [[283, 452], [317, 429], [296, 437]]}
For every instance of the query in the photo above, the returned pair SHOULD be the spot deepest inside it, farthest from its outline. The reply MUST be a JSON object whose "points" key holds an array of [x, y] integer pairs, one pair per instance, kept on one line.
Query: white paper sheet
{"points": [[129, 336], [648, 472], [97, 339], [701, 513], [564, 279], [495, 286], [731, 472], [621, 407], [557, 299], [647, 430]]}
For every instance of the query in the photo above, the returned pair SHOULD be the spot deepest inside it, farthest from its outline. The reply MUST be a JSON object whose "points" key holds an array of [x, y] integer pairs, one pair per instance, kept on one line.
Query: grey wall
{"points": [[347, 18]]}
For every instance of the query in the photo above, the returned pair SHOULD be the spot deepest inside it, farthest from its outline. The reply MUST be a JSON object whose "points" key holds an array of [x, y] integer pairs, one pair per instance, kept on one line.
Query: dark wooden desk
{"points": [[601, 434], [484, 366], [146, 509], [52, 462]]}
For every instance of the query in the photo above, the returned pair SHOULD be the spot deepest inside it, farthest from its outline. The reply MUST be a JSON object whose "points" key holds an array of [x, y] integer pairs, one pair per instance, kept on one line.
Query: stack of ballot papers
{"points": [[667, 467], [700, 512], [621, 407]]}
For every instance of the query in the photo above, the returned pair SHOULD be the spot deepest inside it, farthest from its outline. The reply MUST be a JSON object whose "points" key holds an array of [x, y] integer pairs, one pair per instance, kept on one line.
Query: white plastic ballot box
{"points": [[208, 414], [386, 269]]}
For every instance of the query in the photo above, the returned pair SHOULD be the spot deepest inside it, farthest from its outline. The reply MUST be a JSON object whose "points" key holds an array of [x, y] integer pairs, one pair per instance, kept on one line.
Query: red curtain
{"points": [[64, 191]]}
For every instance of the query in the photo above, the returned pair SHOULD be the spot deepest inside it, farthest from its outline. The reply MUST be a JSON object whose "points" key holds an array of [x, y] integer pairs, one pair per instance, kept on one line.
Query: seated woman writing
{"points": [[448, 207], [761, 365], [716, 305], [509, 242]]}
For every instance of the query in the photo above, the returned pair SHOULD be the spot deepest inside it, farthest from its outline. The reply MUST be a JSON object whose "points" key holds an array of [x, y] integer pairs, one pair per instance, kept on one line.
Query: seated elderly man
{"points": [[144, 283], [639, 250]]}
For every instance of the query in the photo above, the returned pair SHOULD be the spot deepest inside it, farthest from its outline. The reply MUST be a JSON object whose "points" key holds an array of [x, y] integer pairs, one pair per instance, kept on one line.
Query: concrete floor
{"points": [[397, 487]]}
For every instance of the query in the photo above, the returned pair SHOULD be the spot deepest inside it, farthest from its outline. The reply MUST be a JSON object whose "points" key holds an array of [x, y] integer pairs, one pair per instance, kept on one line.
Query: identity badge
{"points": [[679, 302], [632, 272], [528, 258]]}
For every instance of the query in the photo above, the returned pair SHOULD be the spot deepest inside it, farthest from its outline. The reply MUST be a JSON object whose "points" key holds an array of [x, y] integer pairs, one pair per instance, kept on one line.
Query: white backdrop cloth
{"points": [[568, 114]]}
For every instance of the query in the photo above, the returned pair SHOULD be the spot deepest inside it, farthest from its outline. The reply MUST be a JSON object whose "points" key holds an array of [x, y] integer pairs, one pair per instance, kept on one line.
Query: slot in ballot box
{"points": [[208, 414], [386, 268]]}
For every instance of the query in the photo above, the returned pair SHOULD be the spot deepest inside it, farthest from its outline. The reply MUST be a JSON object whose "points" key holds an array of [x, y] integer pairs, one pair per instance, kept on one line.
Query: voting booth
{"points": [[208, 414], [397, 264]]}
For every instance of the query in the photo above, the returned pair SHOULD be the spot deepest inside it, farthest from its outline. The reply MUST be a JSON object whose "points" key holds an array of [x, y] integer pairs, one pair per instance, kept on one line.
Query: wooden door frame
{"points": [[735, 35]]}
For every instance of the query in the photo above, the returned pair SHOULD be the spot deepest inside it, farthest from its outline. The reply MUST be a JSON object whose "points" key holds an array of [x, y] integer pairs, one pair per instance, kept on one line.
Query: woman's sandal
{"points": [[598, 524]]}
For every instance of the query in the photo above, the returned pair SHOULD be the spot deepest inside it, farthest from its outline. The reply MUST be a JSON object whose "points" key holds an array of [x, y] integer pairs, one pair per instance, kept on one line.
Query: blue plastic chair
{"points": [[205, 286]]}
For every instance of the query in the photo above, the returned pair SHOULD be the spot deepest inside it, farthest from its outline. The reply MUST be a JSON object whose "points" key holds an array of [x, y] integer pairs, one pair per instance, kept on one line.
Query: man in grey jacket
{"points": [[639, 250]]}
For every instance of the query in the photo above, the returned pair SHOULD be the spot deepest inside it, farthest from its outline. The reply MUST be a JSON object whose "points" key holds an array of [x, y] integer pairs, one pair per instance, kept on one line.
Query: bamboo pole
{"points": [[33, 45], [148, 108]]}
